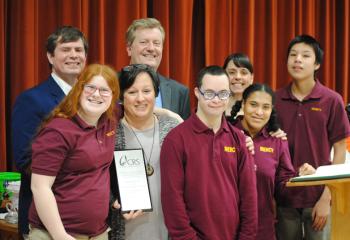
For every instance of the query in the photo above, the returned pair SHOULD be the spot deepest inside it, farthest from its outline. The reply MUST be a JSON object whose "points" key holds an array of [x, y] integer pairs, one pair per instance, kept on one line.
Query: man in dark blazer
{"points": [[145, 38], [66, 52]]}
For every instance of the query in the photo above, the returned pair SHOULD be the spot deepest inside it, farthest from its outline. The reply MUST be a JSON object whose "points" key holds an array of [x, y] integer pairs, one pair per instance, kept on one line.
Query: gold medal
{"points": [[149, 169]]}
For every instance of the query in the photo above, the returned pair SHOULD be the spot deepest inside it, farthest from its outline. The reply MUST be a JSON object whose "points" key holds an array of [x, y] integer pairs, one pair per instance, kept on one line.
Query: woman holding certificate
{"points": [[71, 156], [272, 159], [141, 129]]}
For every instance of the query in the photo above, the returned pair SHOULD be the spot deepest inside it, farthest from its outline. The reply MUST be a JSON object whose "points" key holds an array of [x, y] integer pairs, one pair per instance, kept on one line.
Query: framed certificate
{"points": [[132, 180]]}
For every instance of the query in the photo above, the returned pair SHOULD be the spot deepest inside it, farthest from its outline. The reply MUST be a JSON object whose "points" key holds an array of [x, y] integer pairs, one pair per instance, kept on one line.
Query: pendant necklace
{"points": [[149, 167]]}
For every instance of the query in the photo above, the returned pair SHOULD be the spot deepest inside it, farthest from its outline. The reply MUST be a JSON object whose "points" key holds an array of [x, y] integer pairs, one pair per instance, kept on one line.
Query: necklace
{"points": [[149, 167]]}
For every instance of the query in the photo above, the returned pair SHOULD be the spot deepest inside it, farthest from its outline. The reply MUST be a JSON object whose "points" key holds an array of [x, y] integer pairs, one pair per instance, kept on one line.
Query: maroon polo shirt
{"points": [[312, 126], [273, 169], [208, 188], [79, 156]]}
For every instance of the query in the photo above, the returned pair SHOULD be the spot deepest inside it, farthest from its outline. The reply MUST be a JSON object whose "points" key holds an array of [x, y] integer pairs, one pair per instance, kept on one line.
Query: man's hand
{"points": [[166, 112], [279, 134], [306, 169], [320, 213]]}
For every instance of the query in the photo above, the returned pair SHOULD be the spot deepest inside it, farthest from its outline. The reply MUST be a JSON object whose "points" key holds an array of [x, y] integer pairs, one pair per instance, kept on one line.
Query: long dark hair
{"points": [[272, 124]]}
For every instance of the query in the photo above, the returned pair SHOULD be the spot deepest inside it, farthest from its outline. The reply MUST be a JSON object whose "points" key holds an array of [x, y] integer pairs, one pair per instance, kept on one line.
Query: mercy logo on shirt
{"points": [[229, 149], [111, 133], [316, 109], [266, 149]]}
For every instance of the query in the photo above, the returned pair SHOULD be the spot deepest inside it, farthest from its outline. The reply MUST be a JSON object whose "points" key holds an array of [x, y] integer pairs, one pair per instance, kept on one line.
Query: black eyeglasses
{"points": [[209, 94]]}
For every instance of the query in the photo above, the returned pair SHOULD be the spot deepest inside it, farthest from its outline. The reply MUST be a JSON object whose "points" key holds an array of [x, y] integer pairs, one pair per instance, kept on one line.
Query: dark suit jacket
{"points": [[30, 108], [175, 96]]}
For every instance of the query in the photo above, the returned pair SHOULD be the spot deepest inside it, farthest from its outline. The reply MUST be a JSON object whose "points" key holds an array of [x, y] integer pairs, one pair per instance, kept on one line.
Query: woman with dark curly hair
{"points": [[272, 158], [240, 70]]}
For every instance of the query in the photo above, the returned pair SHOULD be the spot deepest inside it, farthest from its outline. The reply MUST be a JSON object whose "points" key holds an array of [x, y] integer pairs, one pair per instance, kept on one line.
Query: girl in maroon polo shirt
{"points": [[71, 157], [241, 74], [272, 159]]}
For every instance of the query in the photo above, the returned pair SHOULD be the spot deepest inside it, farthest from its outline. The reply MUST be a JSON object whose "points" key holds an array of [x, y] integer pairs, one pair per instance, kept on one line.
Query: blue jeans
{"points": [[296, 224]]}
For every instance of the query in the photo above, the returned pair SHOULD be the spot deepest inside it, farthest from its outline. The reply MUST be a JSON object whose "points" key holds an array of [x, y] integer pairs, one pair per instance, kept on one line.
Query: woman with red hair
{"points": [[71, 157]]}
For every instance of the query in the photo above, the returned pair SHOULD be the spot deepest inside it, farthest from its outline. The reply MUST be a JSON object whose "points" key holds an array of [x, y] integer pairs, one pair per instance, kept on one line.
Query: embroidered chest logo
{"points": [[266, 149], [316, 109], [229, 149], [111, 133]]}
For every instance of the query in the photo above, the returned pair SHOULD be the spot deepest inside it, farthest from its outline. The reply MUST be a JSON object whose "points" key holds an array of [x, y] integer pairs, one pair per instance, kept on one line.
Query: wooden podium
{"points": [[340, 190]]}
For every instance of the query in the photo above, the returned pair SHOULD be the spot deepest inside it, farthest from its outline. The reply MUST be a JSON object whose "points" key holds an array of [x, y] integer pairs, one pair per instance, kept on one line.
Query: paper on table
{"points": [[326, 172]]}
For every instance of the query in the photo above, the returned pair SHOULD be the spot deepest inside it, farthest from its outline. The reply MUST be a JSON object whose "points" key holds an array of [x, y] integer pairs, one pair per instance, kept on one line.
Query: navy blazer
{"points": [[175, 96], [30, 109]]}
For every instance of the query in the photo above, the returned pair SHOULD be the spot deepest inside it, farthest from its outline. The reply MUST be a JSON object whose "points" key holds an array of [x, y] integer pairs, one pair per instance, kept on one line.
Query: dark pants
{"points": [[296, 224]]}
